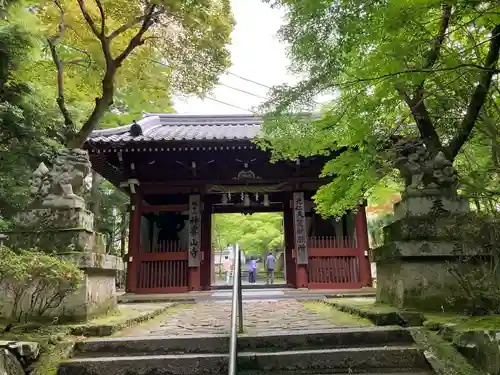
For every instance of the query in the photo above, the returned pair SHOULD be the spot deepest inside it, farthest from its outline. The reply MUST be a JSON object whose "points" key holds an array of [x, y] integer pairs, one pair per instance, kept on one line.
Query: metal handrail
{"points": [[236, 313]]}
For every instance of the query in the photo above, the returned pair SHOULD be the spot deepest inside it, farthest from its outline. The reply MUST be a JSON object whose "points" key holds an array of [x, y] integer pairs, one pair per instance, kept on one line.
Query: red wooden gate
{"points": [[163, 269], [334, 263]]}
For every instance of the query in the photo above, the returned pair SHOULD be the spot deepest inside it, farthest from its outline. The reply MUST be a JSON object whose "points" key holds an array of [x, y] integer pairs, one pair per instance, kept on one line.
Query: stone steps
{"points": [[352, 350]]}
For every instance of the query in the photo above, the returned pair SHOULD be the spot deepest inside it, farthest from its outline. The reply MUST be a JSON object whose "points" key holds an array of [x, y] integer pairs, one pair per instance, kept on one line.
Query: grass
{"points": [[132, 330], [367, 305], [442, 355], [338, 318], [464, 323], [56, 342], [55, 345]]}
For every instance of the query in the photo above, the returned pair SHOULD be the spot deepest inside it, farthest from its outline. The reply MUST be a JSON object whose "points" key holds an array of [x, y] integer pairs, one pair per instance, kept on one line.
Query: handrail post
{"points": [[240, 293], [236, 313]]}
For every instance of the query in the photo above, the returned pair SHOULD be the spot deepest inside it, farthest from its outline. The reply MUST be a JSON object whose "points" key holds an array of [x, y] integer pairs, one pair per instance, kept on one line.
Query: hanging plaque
{"points": [[300, 228], [194, 231]]}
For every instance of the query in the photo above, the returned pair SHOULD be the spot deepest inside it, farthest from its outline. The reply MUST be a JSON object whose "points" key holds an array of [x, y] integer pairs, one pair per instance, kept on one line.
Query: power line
{"points": [[228, 86], [243, 91], [248, 80], [228, 104]]}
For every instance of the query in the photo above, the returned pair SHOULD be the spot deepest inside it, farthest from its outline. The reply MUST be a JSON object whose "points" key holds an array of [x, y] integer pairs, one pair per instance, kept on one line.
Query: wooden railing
{"points": [[166, 247], [332, 242], [334, 263], [163, 269]]}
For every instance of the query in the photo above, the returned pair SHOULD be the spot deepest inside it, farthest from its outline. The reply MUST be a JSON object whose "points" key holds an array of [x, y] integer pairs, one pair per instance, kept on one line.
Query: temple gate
{"points": [[181, 169]]}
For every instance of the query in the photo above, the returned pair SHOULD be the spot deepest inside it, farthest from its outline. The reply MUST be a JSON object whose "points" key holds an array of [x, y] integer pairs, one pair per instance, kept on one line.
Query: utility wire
{"points": [[248, 80], [243, 91], [228, 104]]}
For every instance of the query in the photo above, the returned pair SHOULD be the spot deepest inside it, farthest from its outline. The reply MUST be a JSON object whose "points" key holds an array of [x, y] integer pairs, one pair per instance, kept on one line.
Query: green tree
{"points": [[256, 234], [418, 69], [134, 52], [29, 125]]}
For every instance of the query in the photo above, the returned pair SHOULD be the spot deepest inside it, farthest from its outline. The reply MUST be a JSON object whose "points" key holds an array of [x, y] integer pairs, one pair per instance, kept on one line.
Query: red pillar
{"points": [[363, 246], [194, 278], [134, 242], [206, 245], [289, 241], [302, 281]]}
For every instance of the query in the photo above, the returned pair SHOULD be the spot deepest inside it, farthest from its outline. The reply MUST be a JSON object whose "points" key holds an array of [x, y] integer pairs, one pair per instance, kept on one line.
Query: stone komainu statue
{"points": [[424, 173], [59, 187]]}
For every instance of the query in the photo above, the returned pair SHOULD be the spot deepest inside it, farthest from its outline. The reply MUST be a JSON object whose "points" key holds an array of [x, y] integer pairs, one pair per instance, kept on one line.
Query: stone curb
{"points": [[101, 330], [441, 355], [479, 346], [399, 318]]}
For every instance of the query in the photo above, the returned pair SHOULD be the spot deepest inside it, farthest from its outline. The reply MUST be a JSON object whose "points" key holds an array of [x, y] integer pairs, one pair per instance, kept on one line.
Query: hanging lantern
{"points": [[266, 200], [224, 199], [256, 197], [246, 200]]}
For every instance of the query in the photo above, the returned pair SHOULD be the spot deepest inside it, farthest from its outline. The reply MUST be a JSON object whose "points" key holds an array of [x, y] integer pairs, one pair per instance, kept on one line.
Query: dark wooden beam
{"points": [[275, 207], [146, 208]]}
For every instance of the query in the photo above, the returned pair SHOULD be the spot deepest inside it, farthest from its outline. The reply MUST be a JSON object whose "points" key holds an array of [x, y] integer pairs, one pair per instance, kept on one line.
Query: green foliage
{"points": [[113, 216], [256, 234], [28, 126], [35, 282], [406, 68], [130, 54], [376, 226]]}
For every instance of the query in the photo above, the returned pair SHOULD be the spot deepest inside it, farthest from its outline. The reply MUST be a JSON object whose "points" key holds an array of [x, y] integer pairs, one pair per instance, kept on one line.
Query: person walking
{"points": [[228, 267], [252, 269], [270, 262]]}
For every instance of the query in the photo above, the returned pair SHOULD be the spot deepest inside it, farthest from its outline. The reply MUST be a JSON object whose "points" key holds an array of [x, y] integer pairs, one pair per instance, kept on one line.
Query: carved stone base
{"points": [[422, 283], [96, 295], [57, 241], [51, 218], [431, 237], [430, 205]]}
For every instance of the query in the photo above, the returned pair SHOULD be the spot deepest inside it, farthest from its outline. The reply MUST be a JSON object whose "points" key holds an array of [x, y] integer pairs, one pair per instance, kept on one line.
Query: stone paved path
{"points": [[259, 316]]}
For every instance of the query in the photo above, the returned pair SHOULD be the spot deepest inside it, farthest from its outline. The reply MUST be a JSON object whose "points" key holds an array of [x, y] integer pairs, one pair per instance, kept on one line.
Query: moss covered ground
{"points": [[56, 341], [338, 318]]}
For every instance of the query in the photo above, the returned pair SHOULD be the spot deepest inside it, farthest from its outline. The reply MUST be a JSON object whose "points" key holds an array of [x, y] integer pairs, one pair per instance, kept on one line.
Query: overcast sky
{"points": [[256, 54]]}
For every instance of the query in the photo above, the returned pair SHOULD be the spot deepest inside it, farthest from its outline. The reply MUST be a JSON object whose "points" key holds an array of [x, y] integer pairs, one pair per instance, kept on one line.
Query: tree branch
{"points": [[435, 50], [423, 121], [416, 104], [103, 18], [137, 38], [52, 42], [88, 18], [103, 103], [478, 96], [131, 24]]}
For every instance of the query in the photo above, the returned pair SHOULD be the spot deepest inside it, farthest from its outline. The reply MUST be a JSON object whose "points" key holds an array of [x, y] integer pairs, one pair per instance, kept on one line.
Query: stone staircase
{"points": [[346, 351]]}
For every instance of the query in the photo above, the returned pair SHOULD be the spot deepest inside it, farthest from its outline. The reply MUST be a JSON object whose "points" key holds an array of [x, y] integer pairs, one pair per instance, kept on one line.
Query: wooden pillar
{"points": [[299, 221], [206, 245], [363, 246], [134, 242], [194, 246], [290, 267]]}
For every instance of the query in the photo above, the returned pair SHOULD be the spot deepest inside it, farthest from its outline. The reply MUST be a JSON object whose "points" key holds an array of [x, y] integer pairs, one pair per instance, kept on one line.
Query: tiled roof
{"points": [[172, 127]]}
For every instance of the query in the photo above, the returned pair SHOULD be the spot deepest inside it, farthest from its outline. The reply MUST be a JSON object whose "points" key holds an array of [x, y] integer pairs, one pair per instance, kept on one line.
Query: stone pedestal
{"points": [[56, 231], [68, 233], [97, 294], [426, 239]]}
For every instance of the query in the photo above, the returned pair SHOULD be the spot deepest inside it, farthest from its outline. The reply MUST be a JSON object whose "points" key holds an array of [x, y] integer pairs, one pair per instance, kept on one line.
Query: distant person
{"points": [[228, 266], [252, 270], [270, 262]]}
